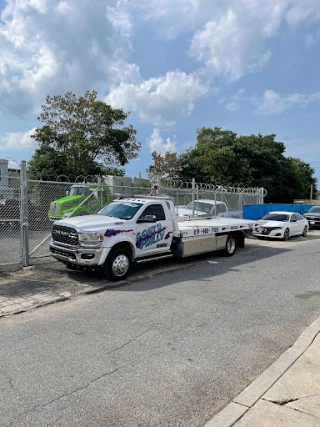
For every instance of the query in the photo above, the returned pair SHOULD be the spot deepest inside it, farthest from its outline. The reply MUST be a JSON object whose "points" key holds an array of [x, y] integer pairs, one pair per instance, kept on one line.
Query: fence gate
{"points": [[10, 221]]}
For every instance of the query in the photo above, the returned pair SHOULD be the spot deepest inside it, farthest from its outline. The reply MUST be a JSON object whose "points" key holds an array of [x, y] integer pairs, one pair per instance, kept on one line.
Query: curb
{"points": [[250, 395]]}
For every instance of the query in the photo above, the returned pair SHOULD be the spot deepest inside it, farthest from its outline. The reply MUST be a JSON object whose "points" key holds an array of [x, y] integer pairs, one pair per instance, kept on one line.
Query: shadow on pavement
{"points": [[51, 276]]}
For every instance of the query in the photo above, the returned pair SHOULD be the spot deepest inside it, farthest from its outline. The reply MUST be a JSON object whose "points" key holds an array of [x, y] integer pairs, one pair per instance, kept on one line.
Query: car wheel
{"points": [[117, 265], [231, 246], [305, 231], [286, 234]]}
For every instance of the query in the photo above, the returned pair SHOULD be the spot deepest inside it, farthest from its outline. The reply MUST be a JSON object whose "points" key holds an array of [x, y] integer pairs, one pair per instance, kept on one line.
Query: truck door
{"points": [[153, 237]]}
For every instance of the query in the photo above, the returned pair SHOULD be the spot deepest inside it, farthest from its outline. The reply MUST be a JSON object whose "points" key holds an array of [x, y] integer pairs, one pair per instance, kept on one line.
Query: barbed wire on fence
{"points": [[211, 187], [164, 183]]}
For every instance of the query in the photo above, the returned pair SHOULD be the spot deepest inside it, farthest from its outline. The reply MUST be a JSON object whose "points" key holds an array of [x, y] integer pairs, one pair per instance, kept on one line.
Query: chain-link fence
{"points": [[10, 220], [28, 207]]}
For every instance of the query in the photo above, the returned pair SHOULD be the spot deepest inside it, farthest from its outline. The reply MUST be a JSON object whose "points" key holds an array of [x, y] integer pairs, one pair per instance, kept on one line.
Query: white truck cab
{"points": [[140, 229]]}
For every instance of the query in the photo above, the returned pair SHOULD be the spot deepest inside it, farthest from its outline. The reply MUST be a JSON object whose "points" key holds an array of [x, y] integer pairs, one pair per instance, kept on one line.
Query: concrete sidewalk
{"points": [[286, 394]]}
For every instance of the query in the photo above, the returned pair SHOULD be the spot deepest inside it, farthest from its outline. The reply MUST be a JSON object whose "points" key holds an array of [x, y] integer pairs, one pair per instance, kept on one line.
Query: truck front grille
{"points": [[66, 236]]}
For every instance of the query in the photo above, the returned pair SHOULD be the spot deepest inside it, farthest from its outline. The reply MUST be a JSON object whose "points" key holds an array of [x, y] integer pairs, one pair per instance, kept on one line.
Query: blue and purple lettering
{"points": [[111, 233], [168, 235], [150, 236]]}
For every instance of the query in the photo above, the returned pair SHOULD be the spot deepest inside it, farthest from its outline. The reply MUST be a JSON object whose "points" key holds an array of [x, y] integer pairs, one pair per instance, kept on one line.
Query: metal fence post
{"points": [[261, 195], [25, 259], [193, 191]]}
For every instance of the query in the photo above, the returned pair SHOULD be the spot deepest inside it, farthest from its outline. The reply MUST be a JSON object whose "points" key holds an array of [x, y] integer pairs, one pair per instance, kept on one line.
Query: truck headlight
{"points": [[90, 239]]}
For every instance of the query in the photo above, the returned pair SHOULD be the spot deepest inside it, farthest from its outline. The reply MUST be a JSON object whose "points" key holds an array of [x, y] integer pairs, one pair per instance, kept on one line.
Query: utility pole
{"points": [[311, 193]]}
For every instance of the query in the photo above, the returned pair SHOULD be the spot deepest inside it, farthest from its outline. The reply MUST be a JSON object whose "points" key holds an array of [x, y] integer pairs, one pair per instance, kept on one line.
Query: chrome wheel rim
{"points": [[120, 265], [305, 231], [231, 245], [286, 235]]}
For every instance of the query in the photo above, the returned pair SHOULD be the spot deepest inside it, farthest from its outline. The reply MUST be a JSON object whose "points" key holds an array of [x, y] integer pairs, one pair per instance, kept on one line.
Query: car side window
{"points": [[156, 210], [293, 218], [299, 217], [220, 209], [223, 208]]}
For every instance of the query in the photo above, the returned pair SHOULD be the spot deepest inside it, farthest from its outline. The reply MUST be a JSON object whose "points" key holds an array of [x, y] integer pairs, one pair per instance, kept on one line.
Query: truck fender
{"points": [[117, 241]]}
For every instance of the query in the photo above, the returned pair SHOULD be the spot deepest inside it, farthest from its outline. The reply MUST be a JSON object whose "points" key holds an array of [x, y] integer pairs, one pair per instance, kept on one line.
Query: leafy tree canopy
{"points": [[223, 157], [167, 165], [84, 134]]}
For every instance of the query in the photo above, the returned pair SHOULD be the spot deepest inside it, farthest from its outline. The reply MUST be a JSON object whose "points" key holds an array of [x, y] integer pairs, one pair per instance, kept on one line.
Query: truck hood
{"points": [[187, 213], [67, 199], [91, 222]]}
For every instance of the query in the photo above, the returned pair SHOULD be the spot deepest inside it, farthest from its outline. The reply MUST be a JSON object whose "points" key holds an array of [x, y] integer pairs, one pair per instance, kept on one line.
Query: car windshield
{"points": [[121, 210], [78, 191], [200, 206], [314, 209], [276, 217]]}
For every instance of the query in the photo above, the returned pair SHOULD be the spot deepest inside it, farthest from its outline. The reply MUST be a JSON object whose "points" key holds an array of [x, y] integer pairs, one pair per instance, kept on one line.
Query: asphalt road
{"points": [[167, 351]]}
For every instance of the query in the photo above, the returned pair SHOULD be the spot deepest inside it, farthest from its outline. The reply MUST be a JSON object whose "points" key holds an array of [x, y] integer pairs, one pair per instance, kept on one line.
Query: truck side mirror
{"points": [[147, 218]]}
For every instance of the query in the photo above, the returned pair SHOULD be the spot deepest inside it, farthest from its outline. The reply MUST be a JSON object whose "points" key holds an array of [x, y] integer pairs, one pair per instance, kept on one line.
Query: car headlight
{"points": [[90, 239]]}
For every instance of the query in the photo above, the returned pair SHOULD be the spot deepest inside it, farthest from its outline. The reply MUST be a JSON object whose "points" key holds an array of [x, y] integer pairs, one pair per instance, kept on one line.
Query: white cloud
{"points": [[157, 143], [17, 140], [312, 39], [299, 11], [233, 44], [51, 47], [162, 100], [120, 19], [232, 106], [272, 103]]}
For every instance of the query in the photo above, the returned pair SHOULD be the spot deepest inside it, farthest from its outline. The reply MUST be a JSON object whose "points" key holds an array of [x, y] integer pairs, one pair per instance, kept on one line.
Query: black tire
{"points": [[305, 231], [231, 246], [117, 265], [286, 234]]}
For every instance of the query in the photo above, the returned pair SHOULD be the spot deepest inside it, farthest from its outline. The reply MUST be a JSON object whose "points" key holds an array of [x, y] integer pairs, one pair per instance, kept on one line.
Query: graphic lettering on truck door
{"points": [[150, 236], [154, 236]]}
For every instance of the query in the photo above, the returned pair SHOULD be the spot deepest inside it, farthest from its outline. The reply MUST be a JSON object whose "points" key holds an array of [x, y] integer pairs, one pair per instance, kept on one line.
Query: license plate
{"points": [[312, 222]]}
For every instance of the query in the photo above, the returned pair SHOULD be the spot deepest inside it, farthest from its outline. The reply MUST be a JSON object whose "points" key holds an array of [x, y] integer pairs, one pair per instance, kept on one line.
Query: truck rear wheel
{"points": [[231, 245], [117, 265]]}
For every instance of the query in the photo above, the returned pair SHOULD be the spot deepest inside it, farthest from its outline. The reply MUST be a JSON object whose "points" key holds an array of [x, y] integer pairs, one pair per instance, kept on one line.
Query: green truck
{"points": [[82, 200]]}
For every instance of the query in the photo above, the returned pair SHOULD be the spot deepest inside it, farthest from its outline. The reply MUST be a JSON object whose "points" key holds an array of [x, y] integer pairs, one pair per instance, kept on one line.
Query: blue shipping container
{"points": [[258, 211]]}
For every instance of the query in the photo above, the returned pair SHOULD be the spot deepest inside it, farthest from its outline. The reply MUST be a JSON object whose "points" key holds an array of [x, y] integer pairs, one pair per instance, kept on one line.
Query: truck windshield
{"points": [[78, 191], [200, 206], [315, 209], [121, 210]]}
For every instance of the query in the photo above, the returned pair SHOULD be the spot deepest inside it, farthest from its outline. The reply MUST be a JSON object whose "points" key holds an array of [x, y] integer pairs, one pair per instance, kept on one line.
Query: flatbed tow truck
{"points": [[141, 229]]}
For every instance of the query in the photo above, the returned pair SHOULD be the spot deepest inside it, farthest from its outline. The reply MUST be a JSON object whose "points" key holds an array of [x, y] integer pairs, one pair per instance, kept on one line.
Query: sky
{"points": [[248, 66]]}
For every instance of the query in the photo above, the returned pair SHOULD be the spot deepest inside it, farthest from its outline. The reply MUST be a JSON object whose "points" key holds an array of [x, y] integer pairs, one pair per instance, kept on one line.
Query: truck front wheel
{"points": [[231, 245], [117, 265]]}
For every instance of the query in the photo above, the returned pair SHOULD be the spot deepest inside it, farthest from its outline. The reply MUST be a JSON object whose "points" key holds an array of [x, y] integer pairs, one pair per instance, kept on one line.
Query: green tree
{"points": [[85, 134], [222, 157], [167, 165], [113, 171]]}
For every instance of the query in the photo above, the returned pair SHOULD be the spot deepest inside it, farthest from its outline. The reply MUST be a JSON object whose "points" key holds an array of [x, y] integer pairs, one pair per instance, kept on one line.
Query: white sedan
{"points": [[282, 225]]}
